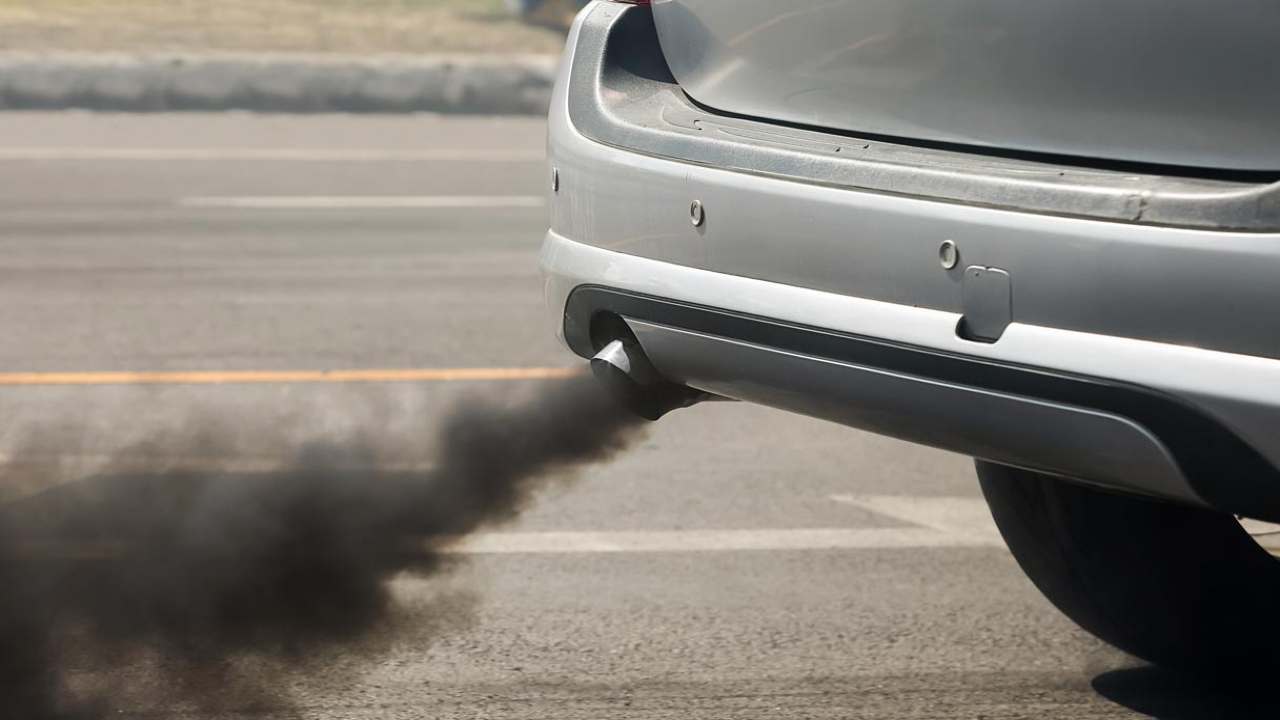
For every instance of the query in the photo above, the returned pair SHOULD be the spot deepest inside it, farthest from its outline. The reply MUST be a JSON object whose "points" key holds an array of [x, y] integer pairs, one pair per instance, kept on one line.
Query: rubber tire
{"points": [[1181, 587]]}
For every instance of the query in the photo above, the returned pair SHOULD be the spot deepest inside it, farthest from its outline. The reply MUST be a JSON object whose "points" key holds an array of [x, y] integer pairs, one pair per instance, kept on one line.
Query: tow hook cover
{"points": [[987, 302]]}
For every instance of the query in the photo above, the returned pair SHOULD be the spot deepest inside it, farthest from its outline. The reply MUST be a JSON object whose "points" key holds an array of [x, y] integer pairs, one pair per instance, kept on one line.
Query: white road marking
{"points": [[946, 522], [685, 541], [960, 517], [626, 542], [205, 154], [367, 202]]}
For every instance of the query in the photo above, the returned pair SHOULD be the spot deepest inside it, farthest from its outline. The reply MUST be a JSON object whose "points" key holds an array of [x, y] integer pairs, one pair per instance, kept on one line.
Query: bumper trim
{"points": [[1221, 469]]}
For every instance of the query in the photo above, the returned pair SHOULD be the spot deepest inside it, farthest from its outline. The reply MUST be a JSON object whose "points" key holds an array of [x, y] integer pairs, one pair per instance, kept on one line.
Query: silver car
{"points": [[1044, 234]]}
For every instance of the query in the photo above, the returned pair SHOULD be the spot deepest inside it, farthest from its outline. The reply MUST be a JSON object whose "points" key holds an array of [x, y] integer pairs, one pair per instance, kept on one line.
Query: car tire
{"points": [[1182, 587]]}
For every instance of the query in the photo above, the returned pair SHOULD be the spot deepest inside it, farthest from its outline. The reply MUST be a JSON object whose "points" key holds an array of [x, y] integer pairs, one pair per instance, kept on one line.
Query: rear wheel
{"points": [[1178, 586]]}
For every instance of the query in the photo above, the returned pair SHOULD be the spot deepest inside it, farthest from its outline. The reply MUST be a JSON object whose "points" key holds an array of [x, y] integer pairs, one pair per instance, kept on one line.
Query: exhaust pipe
{"points": [[632, 380]]}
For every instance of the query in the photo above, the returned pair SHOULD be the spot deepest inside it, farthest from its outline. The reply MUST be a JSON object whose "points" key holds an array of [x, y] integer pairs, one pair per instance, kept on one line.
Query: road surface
{"points": [[740, 562]]}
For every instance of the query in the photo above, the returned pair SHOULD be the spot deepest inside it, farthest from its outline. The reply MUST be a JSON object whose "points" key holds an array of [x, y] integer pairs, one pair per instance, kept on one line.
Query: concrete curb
{"points": [[506, 84]]}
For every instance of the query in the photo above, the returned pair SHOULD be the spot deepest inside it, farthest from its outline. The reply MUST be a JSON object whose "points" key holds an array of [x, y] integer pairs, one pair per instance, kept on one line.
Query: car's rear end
{"points": [[1043, 234]]}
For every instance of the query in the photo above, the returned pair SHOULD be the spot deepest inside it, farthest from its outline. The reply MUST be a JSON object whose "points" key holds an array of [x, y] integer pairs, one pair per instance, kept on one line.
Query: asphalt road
{"points": [[738, 562]]}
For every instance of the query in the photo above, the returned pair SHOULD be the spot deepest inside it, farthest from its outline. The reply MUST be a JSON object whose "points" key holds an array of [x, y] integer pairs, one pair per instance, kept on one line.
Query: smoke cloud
{"points": [[207, 588]]}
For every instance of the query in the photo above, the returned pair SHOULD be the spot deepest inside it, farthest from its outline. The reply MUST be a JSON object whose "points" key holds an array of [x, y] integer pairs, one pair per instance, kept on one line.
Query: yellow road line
{"points": [[233, 377]]}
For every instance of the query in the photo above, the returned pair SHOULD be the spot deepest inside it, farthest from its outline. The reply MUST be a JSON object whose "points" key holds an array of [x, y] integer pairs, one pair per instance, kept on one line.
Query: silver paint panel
{"points": [[1187, 312], [1177, 285], [1240, 391], [1181, 82], [621, 93]]}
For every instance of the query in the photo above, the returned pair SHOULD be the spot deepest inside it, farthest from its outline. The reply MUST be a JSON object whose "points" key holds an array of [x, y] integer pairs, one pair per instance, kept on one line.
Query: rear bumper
{"points": [[1140, 357], [1135, 416]]}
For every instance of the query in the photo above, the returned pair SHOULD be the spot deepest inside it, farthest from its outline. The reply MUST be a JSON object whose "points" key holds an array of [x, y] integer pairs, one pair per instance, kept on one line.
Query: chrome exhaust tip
{"points": [[626, 373]]}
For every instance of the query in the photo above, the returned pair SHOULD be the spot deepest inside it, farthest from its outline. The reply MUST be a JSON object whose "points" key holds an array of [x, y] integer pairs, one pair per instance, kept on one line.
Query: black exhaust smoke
{"points": [[224, 583]]}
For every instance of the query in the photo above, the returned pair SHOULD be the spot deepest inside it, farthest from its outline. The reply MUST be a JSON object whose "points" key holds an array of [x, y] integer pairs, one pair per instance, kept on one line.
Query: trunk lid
{"points": [[1188, 83]]}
